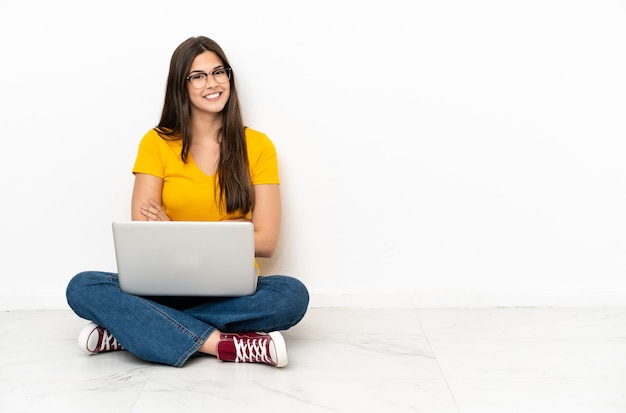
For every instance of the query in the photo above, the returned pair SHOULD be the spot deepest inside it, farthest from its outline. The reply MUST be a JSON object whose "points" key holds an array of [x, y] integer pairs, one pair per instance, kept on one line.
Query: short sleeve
{"points": [[262, 158], [150, 158]]}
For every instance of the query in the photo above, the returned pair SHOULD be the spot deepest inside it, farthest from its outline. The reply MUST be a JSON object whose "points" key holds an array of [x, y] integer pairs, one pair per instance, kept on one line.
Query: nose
{"points": [[210, 81]]}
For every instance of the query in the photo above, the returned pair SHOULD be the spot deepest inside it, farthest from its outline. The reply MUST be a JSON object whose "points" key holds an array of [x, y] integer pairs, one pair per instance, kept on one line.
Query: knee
{"points": [[84, 284], [300, 293], [295, 297], [78, 283]]}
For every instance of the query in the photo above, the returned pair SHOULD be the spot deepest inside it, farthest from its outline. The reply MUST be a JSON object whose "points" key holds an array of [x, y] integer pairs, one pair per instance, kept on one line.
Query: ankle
{"points": [[210, 344]]}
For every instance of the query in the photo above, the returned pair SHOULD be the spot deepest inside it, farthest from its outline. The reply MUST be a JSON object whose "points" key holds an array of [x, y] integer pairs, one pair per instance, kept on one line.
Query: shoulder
{"points": [[254, 137], [153, 135], [153, 139], [262, 158], [259, 144]]}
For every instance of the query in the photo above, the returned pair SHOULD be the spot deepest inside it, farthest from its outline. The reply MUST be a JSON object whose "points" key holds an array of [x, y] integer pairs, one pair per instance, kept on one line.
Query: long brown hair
{"points": [[233, 171]]}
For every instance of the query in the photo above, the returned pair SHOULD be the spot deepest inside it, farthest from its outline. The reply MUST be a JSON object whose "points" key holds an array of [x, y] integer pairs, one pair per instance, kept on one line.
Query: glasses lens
{"points": [[198, 80], [221, 75]]}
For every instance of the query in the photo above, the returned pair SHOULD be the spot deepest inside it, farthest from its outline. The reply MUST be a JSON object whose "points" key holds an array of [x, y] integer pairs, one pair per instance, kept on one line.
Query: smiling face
{"points": [[211, 98]]}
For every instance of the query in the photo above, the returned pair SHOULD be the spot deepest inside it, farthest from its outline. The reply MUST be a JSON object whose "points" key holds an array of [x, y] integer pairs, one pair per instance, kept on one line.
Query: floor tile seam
{"points": [[57, 381], [523, 307], [436, 359], [142, 390], [536, 338], [359, 342], [537, 378]]}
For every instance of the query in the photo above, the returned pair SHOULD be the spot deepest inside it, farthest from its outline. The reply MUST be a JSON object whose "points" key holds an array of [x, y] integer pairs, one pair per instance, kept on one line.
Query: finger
{"points": [[148, 212], [145, 211]]}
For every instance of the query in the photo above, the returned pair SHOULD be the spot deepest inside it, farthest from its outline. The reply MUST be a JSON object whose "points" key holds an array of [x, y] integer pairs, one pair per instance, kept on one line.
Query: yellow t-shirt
{"points": [[188, 193]]}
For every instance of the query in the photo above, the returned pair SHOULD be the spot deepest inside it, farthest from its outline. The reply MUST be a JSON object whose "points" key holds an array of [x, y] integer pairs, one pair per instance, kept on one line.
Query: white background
{"points": [[449, 153]]}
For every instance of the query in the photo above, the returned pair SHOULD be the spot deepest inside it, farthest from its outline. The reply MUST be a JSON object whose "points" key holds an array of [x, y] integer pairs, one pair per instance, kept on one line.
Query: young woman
{"points": [[199, 164]]}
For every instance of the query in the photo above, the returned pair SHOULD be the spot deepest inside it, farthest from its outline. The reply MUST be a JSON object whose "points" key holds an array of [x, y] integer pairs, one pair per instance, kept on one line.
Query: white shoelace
{"points": [[252, 350], [108, 341]]}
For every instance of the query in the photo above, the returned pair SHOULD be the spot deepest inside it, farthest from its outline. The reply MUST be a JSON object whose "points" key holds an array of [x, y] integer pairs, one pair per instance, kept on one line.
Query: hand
{"points": [[154, 212]]}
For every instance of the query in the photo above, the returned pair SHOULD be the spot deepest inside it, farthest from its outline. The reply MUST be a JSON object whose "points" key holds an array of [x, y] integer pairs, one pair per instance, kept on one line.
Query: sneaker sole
{"points": [[280, 347]]}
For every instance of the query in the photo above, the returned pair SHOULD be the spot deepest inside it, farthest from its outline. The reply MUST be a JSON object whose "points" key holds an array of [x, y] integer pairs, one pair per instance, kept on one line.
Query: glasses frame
{"points": [[228, 70]]}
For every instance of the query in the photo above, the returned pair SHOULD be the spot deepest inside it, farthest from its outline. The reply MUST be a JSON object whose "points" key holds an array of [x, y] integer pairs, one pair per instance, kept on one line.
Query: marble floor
{"points": [[455, 360]]}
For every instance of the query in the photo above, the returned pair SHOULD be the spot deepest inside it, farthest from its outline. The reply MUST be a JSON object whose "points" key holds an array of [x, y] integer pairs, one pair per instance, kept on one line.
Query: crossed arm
{"points": [[147, 205]]}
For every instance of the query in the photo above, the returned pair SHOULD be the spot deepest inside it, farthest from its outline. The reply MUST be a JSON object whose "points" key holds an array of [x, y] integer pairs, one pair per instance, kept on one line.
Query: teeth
{"points": [[212, 96]]}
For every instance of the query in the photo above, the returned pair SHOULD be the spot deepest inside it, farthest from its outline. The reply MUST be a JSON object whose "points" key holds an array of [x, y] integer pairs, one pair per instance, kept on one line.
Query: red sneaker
{"points": [[253, 348], [94, 339]]}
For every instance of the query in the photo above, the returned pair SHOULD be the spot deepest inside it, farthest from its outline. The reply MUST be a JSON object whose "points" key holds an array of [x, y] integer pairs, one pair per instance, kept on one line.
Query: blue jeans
{"points": [[169, 330]]}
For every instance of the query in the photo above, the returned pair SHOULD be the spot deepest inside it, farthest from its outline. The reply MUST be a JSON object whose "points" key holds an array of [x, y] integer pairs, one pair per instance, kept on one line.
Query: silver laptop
{"points": [[182, 258]]}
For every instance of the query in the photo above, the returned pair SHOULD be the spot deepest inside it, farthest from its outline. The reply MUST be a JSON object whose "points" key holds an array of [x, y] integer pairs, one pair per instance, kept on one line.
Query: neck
{"points": [[204, 128]]}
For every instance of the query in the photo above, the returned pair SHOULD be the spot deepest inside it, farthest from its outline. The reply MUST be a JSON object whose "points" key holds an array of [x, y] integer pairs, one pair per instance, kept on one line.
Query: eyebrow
{"points": [[212, 70]]}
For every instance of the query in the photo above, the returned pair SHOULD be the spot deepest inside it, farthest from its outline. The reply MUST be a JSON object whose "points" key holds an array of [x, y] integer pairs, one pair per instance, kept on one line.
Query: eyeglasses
{"points": [[199, 80]]}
